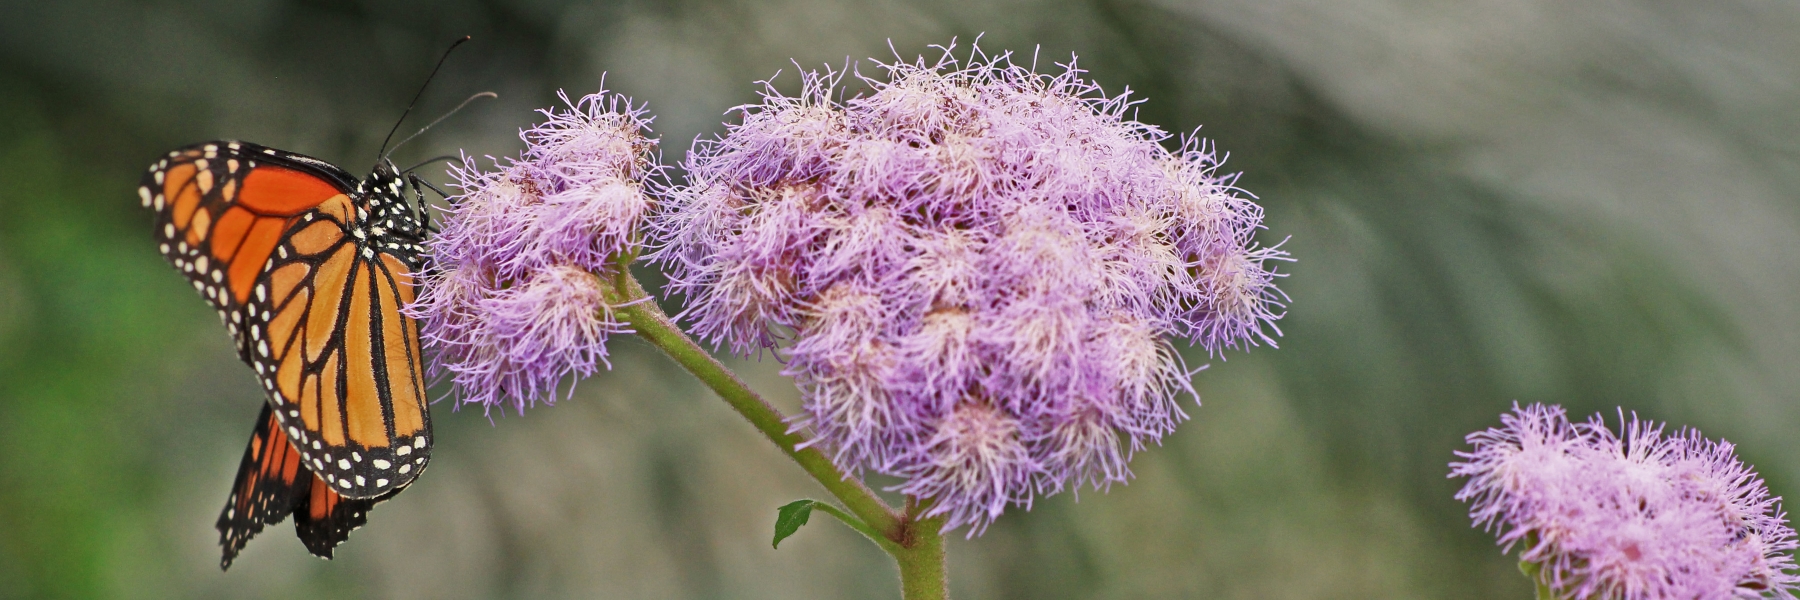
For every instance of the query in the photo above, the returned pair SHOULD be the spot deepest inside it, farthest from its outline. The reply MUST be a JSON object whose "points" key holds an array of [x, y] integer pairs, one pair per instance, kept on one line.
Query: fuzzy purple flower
{"points": [[1636, 516], [513, 303], [972, 271]]}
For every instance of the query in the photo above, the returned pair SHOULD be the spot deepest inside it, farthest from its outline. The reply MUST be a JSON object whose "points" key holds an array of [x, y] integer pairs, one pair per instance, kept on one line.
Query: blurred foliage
{"points": [[1591, 205]]}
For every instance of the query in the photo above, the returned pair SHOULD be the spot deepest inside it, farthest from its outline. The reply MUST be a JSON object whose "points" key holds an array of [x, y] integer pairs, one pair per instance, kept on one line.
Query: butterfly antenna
{"points": [[444, 158], [415, 101], [440, 120]]}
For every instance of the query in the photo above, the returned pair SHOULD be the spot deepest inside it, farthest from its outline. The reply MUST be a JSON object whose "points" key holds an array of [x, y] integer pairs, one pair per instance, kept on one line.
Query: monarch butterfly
{"points": [[308, 268]]}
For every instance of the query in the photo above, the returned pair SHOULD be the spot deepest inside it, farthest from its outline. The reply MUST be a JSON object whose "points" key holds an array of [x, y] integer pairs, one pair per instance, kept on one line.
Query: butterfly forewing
{"points": [[221, 208]]}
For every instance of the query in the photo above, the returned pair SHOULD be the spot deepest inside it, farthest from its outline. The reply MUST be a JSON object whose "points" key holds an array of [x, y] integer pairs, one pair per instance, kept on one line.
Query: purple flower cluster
{"points": [[512, 303], [1630, 516], [974, 269]]}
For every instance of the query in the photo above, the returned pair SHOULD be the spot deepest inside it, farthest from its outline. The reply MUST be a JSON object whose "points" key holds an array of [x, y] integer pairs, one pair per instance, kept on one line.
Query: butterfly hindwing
{"points": [[270, 481], [327, 518], [271, 484], [342, 366]]}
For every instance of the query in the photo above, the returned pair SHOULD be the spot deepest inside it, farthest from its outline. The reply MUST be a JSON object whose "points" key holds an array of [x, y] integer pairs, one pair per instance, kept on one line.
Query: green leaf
{"points": [[790, 517]]}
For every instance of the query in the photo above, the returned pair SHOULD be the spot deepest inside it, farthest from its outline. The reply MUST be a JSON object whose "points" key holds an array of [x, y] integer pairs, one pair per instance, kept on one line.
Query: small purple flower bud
{"points": [[512, 304], [550, 327], [1638, 516], [975, 269], [973, 466], [490, 223], [581, 225]]}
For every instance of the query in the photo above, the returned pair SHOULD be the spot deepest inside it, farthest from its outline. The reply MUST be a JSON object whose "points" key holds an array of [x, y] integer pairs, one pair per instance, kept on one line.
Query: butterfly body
{"points": [[307, 267]]}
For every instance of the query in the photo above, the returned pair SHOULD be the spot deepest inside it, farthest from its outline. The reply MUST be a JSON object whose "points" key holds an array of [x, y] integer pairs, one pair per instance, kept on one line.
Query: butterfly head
{"points": [[385, 194]]}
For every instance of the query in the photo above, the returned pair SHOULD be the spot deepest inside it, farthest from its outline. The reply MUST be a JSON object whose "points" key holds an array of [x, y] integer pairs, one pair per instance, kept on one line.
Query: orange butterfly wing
{"points": [[307, 268], [271, 484], [221, 208], [343, 367]]}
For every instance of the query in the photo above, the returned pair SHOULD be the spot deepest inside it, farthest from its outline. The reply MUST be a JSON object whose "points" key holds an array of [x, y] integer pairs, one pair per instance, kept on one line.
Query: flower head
{"points": [[513, 303], [973, 272], [1633, 516]]}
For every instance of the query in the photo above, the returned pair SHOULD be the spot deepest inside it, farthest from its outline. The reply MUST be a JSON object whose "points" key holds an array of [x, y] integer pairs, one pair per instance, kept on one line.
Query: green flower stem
{"points": [[915, 543], [655, 327], [1533, 571], [922, 575]]}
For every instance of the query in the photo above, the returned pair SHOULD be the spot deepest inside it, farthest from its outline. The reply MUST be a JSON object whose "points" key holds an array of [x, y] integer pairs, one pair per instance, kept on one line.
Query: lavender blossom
{"points": [[512, 304], [1632, 516], [972, 271]]}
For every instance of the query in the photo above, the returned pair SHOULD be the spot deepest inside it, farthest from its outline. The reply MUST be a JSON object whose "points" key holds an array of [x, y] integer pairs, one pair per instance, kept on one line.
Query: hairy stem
{"points": [[922, 573], [915, 543]]}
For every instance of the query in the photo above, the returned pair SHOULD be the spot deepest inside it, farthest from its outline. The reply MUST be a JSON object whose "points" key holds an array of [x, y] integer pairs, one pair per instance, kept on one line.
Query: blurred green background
{"points": [[1592, 204]]}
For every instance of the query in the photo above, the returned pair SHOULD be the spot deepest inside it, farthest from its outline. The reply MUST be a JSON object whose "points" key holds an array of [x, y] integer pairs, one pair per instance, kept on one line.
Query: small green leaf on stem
{"points": [[790, 517]]}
